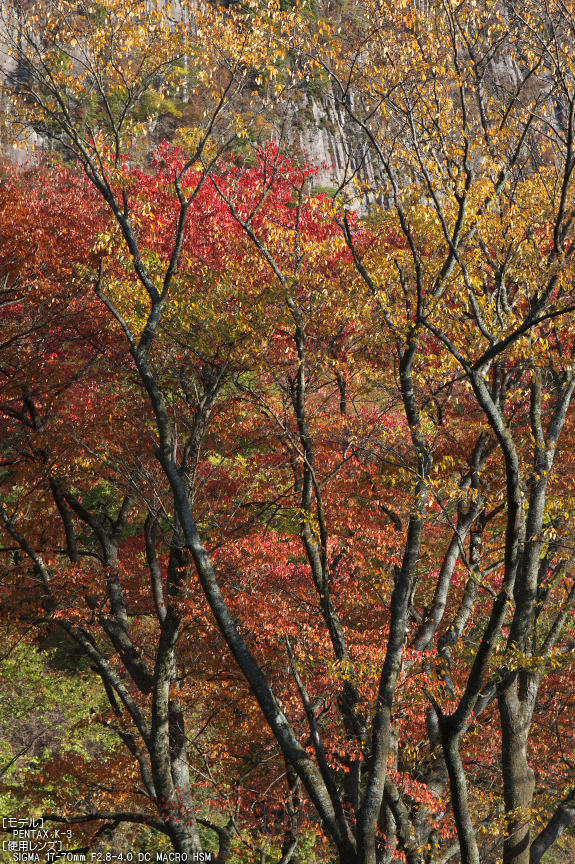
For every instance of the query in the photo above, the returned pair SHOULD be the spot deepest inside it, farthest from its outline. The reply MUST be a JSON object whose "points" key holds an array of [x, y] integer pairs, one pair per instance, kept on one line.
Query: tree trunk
{"points": [[518, 776], [459, 803]]}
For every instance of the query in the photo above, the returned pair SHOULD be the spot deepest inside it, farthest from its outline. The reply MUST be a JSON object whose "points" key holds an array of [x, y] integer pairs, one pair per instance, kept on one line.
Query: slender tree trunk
{"points": [[518, 776], [459, 803]]}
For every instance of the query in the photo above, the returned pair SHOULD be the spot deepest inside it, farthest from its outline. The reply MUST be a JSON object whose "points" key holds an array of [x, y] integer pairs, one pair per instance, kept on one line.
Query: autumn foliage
{"points": [[291, 473]]}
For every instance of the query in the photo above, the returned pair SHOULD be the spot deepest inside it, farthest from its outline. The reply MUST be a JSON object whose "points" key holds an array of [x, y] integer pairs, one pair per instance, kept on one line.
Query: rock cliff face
{"points": [[312, 125], [18, 148], [322, 133]]}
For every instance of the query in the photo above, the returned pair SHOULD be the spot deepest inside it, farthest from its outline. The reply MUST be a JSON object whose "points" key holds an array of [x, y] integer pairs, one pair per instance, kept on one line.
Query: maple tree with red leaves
{"points": [[298, 483]]}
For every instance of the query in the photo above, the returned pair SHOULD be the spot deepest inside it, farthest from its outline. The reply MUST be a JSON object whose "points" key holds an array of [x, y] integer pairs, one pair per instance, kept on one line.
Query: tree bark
{"points": [[518, 776]]}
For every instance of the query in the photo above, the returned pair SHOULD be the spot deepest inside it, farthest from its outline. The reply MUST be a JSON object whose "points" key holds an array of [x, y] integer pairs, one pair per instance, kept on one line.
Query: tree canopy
{"points": [[291, 473]]}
